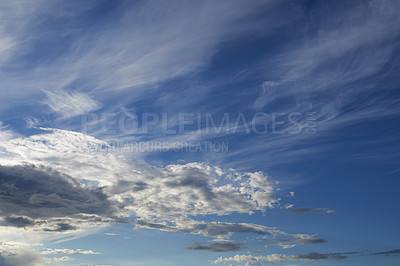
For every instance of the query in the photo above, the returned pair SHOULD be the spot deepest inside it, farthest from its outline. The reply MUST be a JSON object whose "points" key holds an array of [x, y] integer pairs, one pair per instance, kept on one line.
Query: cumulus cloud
{"points": [[61, 181], [75, 175], [199, 189], [44, 199]]}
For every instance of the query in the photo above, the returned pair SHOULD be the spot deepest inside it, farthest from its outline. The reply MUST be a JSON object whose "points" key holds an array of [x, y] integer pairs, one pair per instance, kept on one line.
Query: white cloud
{"points": [[272, 258], [16, 253], [70, 104], [62, 259], [253, 259], [151, 42], [49, 251], [155, 195], [5, 133], [169, 198], [192, 189], [286, 246]]}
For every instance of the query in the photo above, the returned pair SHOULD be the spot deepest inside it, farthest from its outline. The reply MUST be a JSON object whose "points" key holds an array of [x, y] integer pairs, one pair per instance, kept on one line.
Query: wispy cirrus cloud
{"points": [[307, 210], [388, 252], [328, 71], [188, 36], [70, 104]]}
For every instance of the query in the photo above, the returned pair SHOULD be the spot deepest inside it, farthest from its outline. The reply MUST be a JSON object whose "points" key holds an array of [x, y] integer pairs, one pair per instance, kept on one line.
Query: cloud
{"points": [[71, 182], [389, 252], [287, 240], [319, 256], [137, 59], [85, 264], [253, 259], [319, 61], [286, 246], [307, 210], [75, 175], [60, 227], [18, 221], [172, 197], [62, 259], [219, 230], [5, 132], [325, 71], [39, 197], [272, 258], [16, 254], [68, 104], [217, 247], [311, 240], [50, 251]]}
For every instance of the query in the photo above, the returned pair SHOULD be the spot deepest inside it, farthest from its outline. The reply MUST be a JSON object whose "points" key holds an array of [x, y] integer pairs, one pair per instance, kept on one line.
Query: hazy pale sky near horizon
{"points": [[199, 132]]}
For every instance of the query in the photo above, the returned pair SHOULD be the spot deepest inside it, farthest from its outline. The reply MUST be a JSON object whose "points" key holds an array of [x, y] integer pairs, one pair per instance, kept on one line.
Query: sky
{"points": [[199, 132]]}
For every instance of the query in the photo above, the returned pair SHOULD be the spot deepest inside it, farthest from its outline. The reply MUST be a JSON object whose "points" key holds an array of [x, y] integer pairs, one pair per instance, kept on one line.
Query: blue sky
{"points": [[199, 132]]}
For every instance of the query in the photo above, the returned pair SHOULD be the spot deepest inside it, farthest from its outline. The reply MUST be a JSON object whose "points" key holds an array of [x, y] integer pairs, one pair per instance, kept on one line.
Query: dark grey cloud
{"points": [[31, 195], [224, 228], [306, 210], [194, 179], [320, 256], [217, 247], [123, 186], [213, 229], [151, 225], [293, 240], [311, 241], [60, 227], [18, 221], [389, 252]]}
